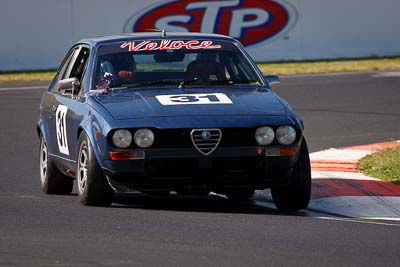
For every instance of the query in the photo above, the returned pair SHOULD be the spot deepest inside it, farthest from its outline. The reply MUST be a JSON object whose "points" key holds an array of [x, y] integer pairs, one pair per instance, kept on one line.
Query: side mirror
{"points": [[272, 79], [68, 86]]}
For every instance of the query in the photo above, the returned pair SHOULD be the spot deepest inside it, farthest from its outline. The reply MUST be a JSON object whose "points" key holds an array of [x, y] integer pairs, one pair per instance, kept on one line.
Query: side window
{"points": [[80, 64], [66, 62], [79, 68], [62, 68], [70, 64], [75, 64]]}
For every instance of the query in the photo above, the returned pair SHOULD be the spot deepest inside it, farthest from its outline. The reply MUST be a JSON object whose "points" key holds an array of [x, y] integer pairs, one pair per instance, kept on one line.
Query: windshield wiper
{"points": [[120, 84], [228, 82], [195, 79], [159, 82], [244, 81], [212, 82], [218, 82]]}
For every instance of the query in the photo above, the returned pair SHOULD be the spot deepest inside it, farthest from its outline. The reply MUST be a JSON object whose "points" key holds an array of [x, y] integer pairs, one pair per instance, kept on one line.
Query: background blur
{"points": [[36, 34]]}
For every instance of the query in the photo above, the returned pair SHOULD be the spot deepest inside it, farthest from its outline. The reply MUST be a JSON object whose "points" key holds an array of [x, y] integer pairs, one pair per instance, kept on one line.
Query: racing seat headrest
{"points": [[205, 70]]}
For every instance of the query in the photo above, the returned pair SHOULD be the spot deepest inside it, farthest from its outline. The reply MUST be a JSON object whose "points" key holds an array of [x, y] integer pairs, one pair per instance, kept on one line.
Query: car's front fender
{"points": [[96, 129], [41, 130]]}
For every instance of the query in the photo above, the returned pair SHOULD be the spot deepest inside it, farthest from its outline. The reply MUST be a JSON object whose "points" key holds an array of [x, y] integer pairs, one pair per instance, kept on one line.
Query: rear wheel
{"points": [[93, 187], [51, 179], [296, 195]]}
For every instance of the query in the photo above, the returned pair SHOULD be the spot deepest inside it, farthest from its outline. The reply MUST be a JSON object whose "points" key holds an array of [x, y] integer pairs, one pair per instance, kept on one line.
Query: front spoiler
{"points": [[178, 170]]}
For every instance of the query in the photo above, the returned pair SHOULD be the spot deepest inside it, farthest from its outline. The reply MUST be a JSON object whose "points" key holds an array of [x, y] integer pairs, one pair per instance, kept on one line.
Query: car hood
{"points": [[149, 102]]}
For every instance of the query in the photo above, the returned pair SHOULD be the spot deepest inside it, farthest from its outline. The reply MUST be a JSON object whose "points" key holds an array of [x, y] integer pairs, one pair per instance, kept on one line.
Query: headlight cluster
{"points": [[264, 135], [122, 138], [143, 138], [285, 135]]}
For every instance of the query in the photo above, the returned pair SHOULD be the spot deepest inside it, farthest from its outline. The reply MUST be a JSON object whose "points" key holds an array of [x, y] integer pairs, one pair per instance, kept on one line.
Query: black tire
{"points": [[93, 187], [297, 194], [51, 179], [240, 194]]}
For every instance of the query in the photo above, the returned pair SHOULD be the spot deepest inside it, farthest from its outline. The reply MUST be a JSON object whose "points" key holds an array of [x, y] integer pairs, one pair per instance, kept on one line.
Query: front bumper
{"points": [[185, 169]]}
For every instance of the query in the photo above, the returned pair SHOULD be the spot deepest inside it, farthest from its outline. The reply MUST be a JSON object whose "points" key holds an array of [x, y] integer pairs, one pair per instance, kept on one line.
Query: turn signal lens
{"points": [[289, 151], [120, 155]]}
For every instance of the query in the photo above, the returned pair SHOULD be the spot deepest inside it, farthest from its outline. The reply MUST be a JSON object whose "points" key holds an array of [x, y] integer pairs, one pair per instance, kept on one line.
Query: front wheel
{"points": [[93, 187], [51, 179], [296, 195]]}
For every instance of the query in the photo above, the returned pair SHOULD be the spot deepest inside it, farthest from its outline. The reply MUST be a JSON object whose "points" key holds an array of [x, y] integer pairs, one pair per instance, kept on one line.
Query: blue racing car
{"points": [[159, 112]]}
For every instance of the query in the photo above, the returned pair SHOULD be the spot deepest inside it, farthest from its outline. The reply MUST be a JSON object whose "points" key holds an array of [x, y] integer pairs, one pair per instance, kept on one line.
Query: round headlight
{"points": [[264, 135], [286, 135], [144, 138], [122, 138]]}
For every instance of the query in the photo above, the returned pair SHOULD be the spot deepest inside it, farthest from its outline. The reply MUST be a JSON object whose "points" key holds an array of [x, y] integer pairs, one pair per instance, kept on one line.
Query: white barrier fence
{"points": [[36, 34]]}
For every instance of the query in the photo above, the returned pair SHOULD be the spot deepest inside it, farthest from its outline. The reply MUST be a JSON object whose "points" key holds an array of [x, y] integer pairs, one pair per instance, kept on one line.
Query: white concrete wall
{"points": [[35, 34]]}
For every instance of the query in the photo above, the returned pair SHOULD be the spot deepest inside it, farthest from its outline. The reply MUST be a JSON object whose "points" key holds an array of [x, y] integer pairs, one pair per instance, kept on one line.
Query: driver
{"points": [[115, 67]]}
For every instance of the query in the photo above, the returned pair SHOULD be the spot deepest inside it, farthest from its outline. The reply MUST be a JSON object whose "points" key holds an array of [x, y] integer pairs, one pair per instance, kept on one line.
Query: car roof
{"points": [[101, 40]]}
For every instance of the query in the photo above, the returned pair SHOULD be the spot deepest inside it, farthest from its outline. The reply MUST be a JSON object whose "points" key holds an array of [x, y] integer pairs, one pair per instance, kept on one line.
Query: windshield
{"points": [[181, 63]]}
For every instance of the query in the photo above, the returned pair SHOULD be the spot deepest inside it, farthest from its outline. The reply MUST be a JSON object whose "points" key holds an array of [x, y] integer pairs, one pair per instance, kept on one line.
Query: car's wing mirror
{"points": [[272, 79], [68, 86]]}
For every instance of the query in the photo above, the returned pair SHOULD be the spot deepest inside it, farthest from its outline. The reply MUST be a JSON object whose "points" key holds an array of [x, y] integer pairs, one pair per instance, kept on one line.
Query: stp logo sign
{"points": [[249, 21]]}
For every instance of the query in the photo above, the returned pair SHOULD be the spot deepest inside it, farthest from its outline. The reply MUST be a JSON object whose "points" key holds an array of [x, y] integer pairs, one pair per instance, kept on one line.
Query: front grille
{"points": [[234, 137], [206, 140], [180, 138], [172, 138]]}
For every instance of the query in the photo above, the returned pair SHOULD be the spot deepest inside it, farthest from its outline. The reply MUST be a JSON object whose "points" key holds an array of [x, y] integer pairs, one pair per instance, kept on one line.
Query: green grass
{"points": [[277, 68], [27, 76], [384, 165], [329, 66]]}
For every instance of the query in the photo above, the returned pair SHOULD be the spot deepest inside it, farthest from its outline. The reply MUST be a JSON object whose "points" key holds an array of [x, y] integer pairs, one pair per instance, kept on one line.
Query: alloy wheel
{"points": [[82, 168]]}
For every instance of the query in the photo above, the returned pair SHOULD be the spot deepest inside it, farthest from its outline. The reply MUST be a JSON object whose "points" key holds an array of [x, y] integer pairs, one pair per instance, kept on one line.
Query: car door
{"points": [[67, 109]]}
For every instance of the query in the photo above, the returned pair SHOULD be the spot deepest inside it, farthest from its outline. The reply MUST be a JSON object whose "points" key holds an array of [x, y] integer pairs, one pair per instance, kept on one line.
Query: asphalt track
{"points": [[48, 230]]}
